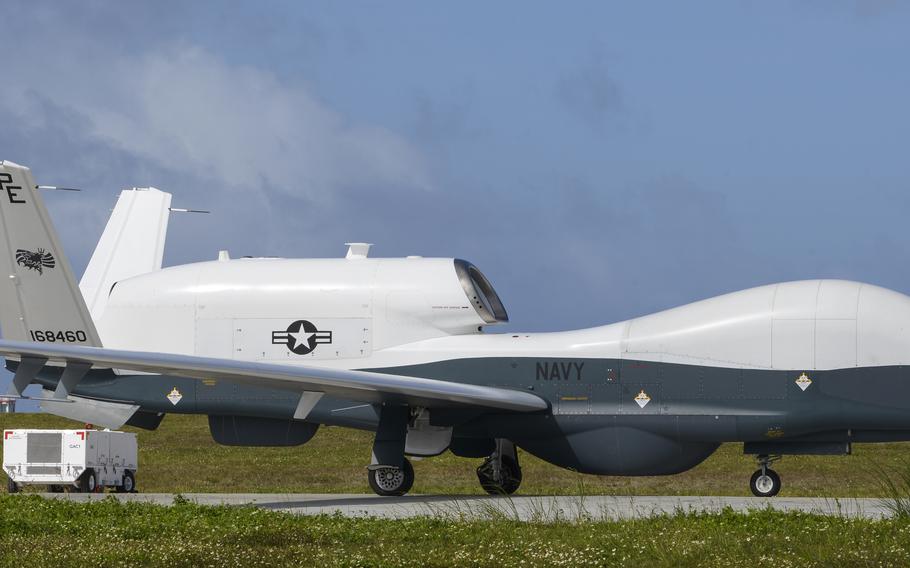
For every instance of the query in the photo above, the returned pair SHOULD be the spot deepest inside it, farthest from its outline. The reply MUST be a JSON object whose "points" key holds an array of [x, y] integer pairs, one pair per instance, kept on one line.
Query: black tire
{"points": [[12, 486], [128, 483], [88, 483], [511, 477], [767, 485], [391, 481]]}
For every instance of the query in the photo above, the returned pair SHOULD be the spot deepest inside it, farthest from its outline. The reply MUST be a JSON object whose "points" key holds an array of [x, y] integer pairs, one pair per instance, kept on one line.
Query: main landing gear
{"points": [[765, 482], [500, 473], [390, 473], [389, 481]]}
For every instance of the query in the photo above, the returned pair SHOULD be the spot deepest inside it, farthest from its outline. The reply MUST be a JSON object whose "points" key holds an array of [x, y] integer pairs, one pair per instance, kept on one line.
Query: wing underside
{"points": [[355, 385]]}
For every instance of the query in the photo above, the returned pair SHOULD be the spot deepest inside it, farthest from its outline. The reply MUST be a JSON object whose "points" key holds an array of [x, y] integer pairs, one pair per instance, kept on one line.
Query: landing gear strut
{"points": [[765, 482], [500, 473], [390, 473]]}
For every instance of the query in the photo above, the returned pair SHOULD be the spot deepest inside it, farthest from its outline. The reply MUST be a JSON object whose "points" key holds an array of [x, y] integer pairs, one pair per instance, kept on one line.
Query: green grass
{"points": [[181, 457], [38, 532]]}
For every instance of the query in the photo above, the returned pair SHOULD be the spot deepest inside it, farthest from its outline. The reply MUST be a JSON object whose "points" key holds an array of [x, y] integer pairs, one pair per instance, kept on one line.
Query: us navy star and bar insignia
{"points": [[301, 337], [803, 382]]}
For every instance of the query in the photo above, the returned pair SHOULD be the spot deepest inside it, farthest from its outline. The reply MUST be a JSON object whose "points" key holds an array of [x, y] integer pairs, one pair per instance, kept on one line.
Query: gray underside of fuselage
{"points": [[595, 424]]}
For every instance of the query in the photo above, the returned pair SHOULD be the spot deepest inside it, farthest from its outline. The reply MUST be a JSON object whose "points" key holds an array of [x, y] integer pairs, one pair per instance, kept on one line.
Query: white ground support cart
{"points": [[81, 460]]}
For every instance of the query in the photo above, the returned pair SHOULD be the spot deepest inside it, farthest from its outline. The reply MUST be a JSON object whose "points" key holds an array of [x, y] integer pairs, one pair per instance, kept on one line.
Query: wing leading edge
{"points": [[350, 384]]}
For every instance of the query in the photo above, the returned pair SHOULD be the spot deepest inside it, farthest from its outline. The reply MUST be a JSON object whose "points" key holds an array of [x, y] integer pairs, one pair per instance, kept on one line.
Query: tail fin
{"points": [[39, 299], [132, 244]]}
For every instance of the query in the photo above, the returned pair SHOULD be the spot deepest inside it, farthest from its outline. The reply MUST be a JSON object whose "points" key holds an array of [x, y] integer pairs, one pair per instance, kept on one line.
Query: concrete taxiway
{"points": [[540, 508]]}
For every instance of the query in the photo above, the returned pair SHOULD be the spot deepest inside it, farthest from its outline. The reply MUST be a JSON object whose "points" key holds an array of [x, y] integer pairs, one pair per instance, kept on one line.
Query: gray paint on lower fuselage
{"points": [[596, 425], [875, 398]]}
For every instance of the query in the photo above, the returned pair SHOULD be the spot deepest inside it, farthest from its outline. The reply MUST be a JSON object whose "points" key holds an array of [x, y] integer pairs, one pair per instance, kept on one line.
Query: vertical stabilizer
{"points": [[132, 244], [39, 300]]}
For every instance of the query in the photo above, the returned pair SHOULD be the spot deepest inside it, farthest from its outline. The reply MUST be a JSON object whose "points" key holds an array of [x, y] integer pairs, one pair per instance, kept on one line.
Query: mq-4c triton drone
{"points": [[271, 348]]}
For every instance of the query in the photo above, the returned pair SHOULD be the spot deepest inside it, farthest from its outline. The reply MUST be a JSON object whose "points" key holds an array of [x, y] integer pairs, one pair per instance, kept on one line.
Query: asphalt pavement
{"points": [[524, 507]]}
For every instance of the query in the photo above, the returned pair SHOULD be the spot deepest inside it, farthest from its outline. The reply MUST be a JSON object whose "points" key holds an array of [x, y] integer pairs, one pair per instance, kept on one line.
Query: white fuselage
{"points": [[393, 312]]}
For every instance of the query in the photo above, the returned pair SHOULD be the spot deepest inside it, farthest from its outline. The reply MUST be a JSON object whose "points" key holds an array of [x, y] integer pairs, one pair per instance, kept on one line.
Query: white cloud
{"points": [[184, 109]]}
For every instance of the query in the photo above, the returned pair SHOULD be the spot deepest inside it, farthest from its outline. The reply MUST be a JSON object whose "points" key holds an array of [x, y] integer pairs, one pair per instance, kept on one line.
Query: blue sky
{"points": [[597, 160]]}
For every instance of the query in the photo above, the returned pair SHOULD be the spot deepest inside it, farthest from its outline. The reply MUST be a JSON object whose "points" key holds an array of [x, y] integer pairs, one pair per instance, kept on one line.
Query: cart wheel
{"points": [[88, 483], [129, 483], [12, 486]]}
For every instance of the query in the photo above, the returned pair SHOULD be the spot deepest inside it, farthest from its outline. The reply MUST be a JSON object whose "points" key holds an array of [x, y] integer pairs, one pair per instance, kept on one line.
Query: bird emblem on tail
{"points": [[37, 261]]}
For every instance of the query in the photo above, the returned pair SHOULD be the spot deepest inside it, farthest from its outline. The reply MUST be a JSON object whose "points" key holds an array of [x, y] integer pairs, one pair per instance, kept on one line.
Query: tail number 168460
{"points": [[50, 336]]}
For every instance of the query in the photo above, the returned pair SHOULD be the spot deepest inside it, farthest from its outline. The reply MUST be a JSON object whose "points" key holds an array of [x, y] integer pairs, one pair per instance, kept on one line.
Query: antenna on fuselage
{"points": [[180, 210], [56, 188], [358, 250]]}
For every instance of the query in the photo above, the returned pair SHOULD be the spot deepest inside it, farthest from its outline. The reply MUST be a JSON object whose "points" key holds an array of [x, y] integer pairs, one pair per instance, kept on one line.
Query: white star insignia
{"points": [[301, 337]]}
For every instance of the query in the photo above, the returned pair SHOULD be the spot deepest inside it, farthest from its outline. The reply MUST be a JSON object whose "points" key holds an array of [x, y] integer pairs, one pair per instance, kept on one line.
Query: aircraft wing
{"points": [[350, 384]]}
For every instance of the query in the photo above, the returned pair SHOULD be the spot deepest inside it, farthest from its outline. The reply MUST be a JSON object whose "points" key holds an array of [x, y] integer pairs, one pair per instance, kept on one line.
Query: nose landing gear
{"points": [[765, 481]]}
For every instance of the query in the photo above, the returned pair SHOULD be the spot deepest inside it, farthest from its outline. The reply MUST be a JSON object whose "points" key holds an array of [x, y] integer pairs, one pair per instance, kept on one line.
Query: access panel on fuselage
{"points": [[301, 338], [578, 387], [215, 396], [685, 389]]}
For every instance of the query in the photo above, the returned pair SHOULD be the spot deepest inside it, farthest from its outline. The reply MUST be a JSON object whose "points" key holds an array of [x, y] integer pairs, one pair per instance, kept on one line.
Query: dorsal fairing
{"points": [[804, 325], [230, 308]]}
